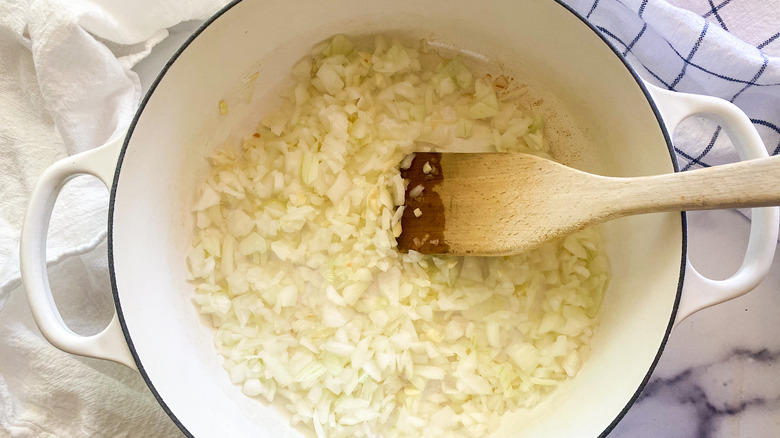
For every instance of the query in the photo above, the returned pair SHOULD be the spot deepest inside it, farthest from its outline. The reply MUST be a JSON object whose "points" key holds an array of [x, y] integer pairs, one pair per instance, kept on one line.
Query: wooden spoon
{"points": [[501, 203]]}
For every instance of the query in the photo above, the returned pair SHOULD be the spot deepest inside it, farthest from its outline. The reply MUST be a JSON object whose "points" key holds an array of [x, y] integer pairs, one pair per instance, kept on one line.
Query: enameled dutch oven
{"points": [[601, 117]]}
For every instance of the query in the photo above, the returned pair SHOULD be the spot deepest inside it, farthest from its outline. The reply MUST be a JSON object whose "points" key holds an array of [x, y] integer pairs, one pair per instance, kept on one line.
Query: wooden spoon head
{"points": [[425, 235], [486, 203]]}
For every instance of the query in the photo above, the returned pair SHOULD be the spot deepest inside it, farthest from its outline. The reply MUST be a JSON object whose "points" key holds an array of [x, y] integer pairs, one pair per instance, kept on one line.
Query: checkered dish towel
{"points": [[724, 48]]}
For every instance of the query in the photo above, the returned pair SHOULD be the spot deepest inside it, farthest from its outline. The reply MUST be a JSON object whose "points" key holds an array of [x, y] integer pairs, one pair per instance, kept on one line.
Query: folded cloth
{"points": [[723, 48], [66, 85], [45, 392]]}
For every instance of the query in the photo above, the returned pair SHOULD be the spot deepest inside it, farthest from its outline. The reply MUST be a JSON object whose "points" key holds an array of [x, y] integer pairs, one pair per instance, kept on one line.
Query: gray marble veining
{"points": [[708, 400]]}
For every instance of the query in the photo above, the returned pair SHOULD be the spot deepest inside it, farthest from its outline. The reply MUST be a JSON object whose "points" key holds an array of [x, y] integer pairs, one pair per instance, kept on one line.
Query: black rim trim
{"points": [[683, 218], [112, 200], [229, 6]]}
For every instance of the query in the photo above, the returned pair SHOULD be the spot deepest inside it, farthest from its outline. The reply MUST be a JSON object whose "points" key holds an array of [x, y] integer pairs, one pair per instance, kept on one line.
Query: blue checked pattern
{"points": [[724, 48]]}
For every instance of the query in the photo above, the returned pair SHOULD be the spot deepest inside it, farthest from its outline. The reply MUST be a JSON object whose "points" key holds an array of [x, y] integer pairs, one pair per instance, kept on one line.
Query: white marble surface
{"points": [[719, 375]]}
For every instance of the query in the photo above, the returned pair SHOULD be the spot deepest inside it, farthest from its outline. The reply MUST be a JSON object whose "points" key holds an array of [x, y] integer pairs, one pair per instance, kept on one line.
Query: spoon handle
{"points": [[752, 183]]}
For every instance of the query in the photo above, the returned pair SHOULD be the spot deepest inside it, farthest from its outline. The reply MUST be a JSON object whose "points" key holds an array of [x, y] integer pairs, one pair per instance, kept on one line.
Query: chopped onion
{"points": [[416, 191], [406, 163], [294, 258]]}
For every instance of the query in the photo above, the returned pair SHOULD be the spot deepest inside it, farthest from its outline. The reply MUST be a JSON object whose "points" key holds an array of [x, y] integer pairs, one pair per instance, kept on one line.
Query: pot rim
{"points": [[222, 11]]}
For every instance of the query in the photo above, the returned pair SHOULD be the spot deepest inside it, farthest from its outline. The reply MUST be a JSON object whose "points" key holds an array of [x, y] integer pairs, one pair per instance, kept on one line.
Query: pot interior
{"points": [[597, 119]]}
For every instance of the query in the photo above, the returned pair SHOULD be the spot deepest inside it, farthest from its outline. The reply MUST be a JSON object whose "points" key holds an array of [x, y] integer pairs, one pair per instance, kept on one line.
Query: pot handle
{"points": [[110, 342], [700, 292]]}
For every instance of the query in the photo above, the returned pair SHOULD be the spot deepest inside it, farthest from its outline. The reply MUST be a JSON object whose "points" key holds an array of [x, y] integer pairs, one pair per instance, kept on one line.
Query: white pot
{"points": [[600, 116]]}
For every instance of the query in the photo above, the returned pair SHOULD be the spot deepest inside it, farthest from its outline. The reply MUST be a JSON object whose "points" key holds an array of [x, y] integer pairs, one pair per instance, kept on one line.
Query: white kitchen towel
{"points": [[47, 393], [66, 86]]}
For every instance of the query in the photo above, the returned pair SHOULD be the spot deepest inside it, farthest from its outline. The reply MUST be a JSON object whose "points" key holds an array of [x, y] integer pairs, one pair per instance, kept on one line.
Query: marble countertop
{"points": [[719, 375]]}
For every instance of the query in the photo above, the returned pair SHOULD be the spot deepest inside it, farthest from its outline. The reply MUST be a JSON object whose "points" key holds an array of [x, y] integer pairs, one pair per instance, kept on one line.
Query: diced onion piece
{"points": [[416, 191], [340, 187], [407, 162], [485, 101], [330, 79]]}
